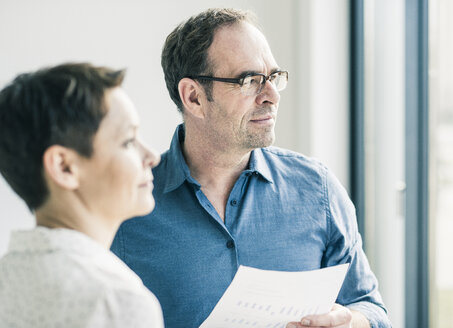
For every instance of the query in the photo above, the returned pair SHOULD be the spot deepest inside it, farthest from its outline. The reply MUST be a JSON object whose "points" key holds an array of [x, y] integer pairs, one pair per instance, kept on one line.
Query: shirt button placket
{"points": [[230, 244]]}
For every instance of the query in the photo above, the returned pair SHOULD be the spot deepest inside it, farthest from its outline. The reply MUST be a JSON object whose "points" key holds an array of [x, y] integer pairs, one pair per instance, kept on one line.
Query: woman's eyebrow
{"points": [[129, 127]]}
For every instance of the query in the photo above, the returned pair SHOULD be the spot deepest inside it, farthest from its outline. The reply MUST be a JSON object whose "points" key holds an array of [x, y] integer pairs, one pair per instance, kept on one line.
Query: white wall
{"points": [[309, 38]]}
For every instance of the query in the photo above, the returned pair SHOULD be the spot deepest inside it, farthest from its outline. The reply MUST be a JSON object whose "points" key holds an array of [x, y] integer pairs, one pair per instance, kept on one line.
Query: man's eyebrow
{"points": [[246, 73]]}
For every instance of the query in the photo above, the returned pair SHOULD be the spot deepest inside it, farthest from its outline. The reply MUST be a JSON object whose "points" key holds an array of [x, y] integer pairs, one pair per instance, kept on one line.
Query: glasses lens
{"points": [[252, 84], [280, 79]]}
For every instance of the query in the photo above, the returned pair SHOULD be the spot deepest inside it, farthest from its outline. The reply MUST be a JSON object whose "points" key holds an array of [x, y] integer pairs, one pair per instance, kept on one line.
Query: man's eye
{"points": [[252, 80], [274, 76], [255, 79]]}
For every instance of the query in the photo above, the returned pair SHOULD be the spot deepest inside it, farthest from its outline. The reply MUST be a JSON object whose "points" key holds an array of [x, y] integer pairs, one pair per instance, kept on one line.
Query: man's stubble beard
{"points": [[253, 140], [246, 139]]}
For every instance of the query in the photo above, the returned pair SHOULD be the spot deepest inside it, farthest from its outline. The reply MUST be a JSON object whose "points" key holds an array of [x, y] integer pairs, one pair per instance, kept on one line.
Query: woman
{"points": [[69, 148]]}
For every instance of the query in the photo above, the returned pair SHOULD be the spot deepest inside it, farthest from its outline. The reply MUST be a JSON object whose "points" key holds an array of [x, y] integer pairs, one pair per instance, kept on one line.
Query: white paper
{"points": [[270, 299]]}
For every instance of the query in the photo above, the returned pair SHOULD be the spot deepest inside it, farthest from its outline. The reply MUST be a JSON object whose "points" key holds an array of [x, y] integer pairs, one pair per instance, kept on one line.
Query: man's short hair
{"points": [[61, 105], [185, 52]]}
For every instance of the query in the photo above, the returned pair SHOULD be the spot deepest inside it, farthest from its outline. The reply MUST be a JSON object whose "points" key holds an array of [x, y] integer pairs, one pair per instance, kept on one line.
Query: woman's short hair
{"points": [[61, 105]]}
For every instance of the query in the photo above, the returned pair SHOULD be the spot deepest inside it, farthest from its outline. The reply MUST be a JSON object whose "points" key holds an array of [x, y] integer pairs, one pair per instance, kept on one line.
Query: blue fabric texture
{"points": [[286, 212]]}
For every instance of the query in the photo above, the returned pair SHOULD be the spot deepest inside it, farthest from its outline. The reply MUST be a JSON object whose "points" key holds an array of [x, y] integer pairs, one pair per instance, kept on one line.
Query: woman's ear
{"points": [[61, 166], [190, 93]]}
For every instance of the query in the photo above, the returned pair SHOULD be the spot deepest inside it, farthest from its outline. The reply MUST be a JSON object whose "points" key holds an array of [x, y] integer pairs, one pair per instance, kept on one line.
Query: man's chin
{"points": [[261, 141]]}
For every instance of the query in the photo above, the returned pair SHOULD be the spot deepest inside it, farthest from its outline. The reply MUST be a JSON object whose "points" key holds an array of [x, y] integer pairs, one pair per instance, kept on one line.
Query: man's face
{"points": [[237, 121]]}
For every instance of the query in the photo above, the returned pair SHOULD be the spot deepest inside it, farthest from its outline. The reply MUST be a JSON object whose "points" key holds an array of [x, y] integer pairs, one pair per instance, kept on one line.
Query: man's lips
{"points": [[262, 119]]}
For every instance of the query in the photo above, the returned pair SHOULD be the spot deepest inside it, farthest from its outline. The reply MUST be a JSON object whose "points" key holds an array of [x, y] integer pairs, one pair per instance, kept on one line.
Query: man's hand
{"points": [[339, 316]]}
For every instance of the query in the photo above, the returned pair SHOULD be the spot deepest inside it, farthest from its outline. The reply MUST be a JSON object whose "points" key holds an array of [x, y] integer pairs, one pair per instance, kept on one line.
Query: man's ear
{"points": [[60, 166], [191, 92]]}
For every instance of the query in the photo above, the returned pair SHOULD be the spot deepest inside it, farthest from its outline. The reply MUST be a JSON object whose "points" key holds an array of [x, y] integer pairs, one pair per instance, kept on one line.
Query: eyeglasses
{"points": [[252, 84]]}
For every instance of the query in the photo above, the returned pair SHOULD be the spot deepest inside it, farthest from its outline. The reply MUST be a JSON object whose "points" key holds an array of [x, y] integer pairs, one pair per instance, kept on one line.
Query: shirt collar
{"points": [[43, 239], [176, 166], [259, 165], [178, 171]]}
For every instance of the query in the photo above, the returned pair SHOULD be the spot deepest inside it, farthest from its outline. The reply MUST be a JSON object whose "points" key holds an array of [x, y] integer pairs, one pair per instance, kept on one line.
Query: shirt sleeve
{"points": [[360, 288]]}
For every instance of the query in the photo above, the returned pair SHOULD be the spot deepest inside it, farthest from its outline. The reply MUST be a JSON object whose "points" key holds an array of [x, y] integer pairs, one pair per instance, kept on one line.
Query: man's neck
{"points": [[215, 168], [211, 166]]}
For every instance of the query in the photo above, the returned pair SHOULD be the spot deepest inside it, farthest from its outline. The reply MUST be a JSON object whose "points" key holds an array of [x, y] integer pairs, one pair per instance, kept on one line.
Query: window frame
{"points": [[416, 150]]}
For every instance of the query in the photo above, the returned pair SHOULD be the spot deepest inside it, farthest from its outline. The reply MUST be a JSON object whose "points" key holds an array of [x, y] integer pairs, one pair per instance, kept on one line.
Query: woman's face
{"points": [[116, 181]]}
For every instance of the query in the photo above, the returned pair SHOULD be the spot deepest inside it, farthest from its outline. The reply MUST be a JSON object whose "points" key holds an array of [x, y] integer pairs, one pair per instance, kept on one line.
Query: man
{"points": [[225, 198]]}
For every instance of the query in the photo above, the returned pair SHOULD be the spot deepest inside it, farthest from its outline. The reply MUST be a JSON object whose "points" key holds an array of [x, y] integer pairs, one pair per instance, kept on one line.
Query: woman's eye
{"points": [[130, 142]]}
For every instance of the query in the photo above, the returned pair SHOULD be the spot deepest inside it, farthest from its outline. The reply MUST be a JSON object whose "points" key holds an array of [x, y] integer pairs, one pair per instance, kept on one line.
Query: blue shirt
{"points": [[285, 212]]}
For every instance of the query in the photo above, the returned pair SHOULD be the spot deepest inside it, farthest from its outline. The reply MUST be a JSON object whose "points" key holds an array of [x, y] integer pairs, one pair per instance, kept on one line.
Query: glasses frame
{"points": [[240, 80]]}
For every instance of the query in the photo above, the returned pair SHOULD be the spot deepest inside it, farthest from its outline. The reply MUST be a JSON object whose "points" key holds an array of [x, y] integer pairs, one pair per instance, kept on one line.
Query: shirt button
{"points": [[230, 244], [234, 202]]}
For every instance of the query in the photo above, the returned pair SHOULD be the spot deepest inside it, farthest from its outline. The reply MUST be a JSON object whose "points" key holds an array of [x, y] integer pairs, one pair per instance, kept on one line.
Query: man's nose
{"points": [[268, 94]]}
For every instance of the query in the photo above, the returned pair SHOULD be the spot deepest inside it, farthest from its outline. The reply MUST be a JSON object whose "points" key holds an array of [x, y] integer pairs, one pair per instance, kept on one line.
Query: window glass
{"points": [[441, 162], [384, 108]]}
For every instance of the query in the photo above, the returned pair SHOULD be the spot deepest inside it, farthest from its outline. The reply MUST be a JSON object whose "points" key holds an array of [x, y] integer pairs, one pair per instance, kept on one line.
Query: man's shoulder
{"points": [[282, 152], [164, 157], [295, 162], [163, 166]]}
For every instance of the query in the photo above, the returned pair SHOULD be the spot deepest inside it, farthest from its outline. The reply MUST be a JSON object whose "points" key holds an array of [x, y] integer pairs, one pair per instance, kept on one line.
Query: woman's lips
{"points": [[148, 183]]}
